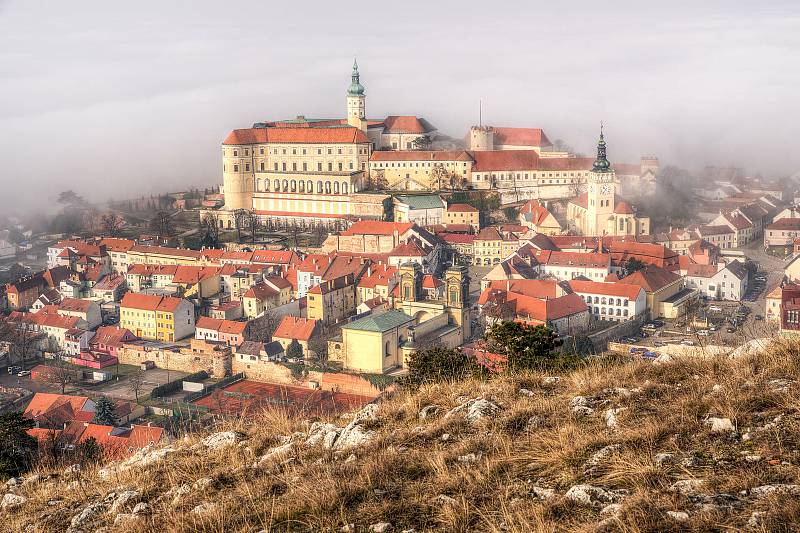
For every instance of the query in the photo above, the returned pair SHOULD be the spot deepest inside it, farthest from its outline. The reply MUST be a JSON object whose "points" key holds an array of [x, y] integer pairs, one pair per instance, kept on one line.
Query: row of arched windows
{"points": [[605, 301], [609, 311], [305, 186]]}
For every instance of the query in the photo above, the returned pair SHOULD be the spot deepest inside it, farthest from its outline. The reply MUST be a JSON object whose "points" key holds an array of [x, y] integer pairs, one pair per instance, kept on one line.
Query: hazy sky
{"points": [[113, 98]]}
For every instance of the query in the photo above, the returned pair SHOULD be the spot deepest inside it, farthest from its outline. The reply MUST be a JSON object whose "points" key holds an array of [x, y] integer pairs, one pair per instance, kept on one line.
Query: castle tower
{"points": [[410, 282], [356, 106], [238, 176], [601, 192], [481, 138]]}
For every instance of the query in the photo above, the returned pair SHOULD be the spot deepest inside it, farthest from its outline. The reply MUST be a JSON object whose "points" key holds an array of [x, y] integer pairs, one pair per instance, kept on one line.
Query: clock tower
{"points": [[601, 193]]}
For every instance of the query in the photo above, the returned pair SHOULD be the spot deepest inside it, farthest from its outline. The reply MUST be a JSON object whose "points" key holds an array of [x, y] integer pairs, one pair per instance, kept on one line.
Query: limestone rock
{"points": [[526, 392], [204, 508], [470, 458], [662, 459], [720, 425], [380, 527], [474, 409], [322, 433], [687, 487], [140, 508], [202, 483], [600, 456], [122, 499], [543, 493], [585, 494], [429, 411], [610, 416], [582, 411], [222, 439], [678, 516], [87, 514], [779, 489], [611, 510], [11, 501], [662, 359], [551, 380]]}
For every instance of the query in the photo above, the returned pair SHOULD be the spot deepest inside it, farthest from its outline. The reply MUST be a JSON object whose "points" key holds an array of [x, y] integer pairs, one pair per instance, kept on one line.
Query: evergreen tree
{"points": [[294, 350], [17, 448], [104, 412], [437, 364], [527, 347]]}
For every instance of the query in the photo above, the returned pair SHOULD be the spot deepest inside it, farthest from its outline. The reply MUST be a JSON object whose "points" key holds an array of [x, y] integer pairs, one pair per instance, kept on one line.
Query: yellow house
{"points": [[271, 292], [537, 217], [462, 214], [373, 344], [161, 255], [664, 289], [490, 247], [157, 317], [332, 300]]}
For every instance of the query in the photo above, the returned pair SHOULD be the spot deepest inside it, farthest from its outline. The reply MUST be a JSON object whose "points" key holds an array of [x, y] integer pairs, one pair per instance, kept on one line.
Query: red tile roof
{"points": [[420, 155], [520, 136], [701, 271], [505, 160], [461, 208], [150, 302], [292, 327], [651, 278], [407, 124], [379, 275], [409, 248], [535, 288], [117, 245], [456, 238], [261, 291], [75, 305], [338, 135], [573, 259], [623, 208], [788, 224], [429, 282]]}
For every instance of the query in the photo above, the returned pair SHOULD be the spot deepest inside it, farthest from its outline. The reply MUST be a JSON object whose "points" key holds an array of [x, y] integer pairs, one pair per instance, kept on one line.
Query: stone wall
{"points": [[623, 329], [200, 355]]}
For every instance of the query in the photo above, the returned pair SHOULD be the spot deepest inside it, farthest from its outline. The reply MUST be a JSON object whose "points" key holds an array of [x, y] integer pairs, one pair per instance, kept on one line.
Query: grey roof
{"points": [[379, 322], [737, 269], [273, 348], [422, 201]]}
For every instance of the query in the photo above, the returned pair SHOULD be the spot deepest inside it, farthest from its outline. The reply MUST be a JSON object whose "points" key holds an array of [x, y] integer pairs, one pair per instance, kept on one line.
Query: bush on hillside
{"points": [[437, 364], [527, 347], [17, 448]]}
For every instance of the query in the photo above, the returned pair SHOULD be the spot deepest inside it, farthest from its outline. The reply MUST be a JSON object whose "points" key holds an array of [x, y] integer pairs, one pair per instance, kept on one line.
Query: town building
{"points": [[462, 215], [422, 209], [616, 302], [536, 216], [230, 332], [718, 282], [295, 329], [782, 232], [600, 211], [163, 318], [666, 295]]}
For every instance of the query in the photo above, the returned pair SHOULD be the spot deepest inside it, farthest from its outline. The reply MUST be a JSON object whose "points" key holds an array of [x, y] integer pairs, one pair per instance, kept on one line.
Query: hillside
{"points": [[632, 446]]}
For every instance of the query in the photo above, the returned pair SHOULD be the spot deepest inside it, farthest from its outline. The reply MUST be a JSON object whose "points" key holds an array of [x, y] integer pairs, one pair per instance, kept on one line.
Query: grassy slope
{"points": [[399, 476]]}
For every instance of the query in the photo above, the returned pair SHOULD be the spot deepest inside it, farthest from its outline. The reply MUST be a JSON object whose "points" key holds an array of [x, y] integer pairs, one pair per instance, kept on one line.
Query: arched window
{"points": [[344, 188], [310, 186], [387, 351], [285, 185], [619, 312], [619, 302], [259, 184], [625, 312], [327, 187], [319, 187], [335, 187], [603, 300], [294, 186], [277, 185], [596, 300], [302, 185], [266, 184]]}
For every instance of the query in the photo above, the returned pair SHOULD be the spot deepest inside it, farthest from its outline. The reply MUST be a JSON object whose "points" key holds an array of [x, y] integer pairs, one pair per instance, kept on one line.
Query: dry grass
{"points": [[400, 476]]}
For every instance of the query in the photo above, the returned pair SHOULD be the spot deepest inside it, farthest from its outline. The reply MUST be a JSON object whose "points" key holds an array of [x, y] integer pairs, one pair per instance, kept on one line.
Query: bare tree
{"points": [[239, 220], [23, 342], [112, 223], [135, 383], [253, 224], [262, 328], [438, 175], [161, 223], [209, 226], [59, 373]]}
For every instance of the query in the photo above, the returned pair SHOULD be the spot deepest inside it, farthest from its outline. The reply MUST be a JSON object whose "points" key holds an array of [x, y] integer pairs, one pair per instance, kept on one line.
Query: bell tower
{"points": [[356, 101], [601, 192], [410, 282], [457, 286]]}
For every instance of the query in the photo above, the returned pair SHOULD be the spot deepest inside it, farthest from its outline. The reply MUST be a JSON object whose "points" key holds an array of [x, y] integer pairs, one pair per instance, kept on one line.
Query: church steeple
{"points": [[355, 89], [601, 164]]}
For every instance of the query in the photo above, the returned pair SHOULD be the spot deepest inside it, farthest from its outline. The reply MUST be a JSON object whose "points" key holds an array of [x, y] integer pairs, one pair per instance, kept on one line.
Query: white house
{"points": [[424, 209], [718, 282], [618, 302]]}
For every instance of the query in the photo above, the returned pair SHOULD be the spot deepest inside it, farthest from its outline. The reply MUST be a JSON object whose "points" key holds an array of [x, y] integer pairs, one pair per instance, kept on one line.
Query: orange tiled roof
{"points": [[292, 327], [339, 135], [520, 136], [407, 124], [420, 155], [608, 289]]}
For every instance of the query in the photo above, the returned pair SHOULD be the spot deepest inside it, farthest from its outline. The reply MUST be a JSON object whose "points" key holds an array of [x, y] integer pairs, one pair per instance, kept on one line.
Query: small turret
{"points": [[601, 164]]}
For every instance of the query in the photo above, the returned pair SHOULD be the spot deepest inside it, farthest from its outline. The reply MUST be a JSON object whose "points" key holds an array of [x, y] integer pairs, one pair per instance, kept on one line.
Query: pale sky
{"points": [[112, 99]]}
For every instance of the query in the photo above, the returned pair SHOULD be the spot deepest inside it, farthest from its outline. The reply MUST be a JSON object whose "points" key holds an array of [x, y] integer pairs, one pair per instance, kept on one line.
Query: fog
{"points": [[116, 100]]}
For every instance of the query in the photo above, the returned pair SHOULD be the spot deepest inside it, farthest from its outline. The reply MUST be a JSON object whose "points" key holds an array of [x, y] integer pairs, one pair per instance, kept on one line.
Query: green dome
{"points": [[601, 164], [355, 89]]}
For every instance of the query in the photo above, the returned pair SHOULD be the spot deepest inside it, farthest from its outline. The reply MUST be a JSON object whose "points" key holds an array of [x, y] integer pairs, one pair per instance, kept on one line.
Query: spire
{"points": [[355, 89], [601, 164]]}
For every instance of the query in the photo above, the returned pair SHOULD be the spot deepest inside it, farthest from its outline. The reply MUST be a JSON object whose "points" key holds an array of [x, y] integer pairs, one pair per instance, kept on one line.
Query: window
{"points": [[283, 166], [236, 168], [247, 167], [235, 153], [261, 166]]}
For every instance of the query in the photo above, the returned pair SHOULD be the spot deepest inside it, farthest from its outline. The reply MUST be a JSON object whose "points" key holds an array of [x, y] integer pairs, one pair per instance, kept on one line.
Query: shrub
{"points": [[437, 364], [527, 347]]}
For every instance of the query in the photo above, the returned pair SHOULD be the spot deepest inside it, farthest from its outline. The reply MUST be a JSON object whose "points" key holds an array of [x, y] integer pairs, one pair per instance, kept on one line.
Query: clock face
{"points": [[606, 189]]}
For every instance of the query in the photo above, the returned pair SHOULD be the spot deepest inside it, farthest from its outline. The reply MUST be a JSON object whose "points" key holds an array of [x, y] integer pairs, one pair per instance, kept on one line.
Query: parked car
{"points": [[687, 342], [704, 333], [23, 373], [731, 329], [715, 308]]}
